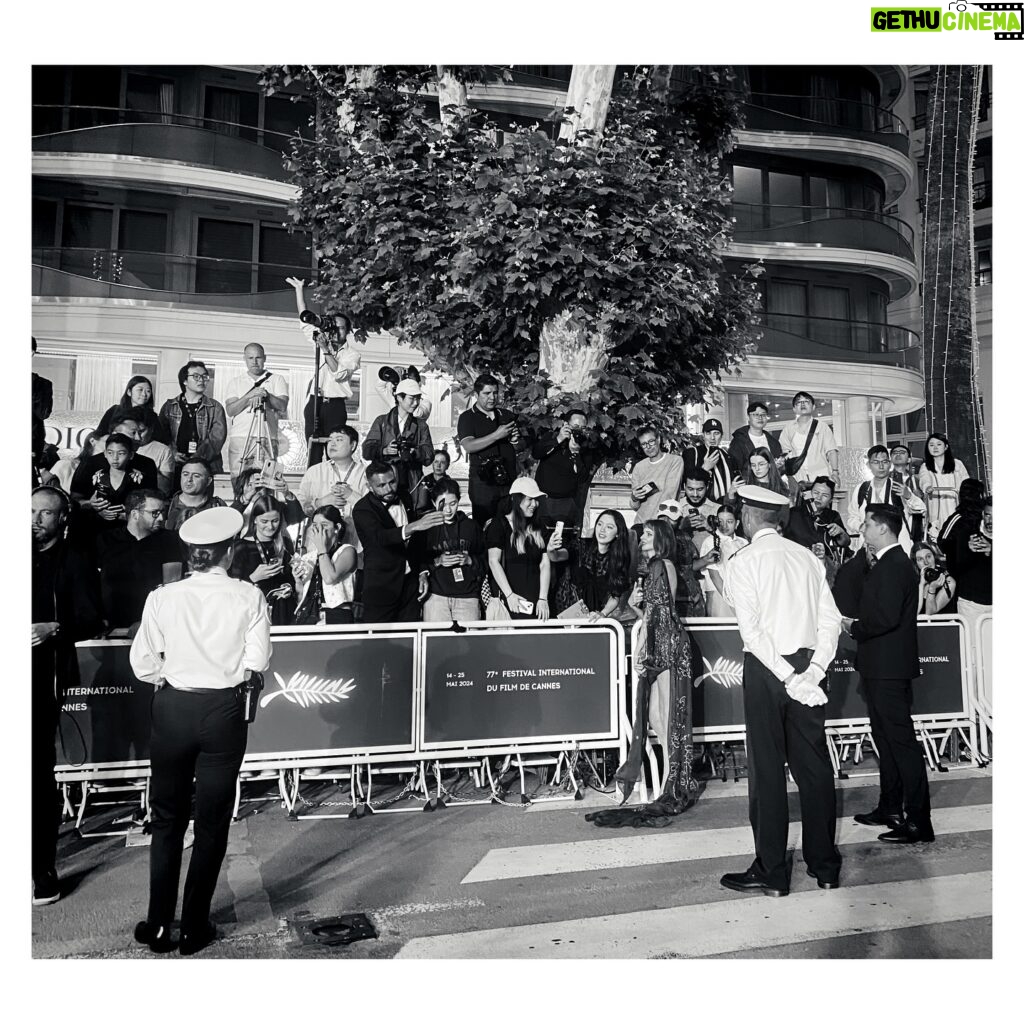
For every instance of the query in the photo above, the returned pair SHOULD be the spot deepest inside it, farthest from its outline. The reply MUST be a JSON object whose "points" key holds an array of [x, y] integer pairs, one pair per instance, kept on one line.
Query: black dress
{"points": [[522, 570], [248, 555]]}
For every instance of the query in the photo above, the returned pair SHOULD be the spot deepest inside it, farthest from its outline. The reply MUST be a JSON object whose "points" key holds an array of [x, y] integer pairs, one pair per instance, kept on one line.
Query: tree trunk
{"points": [[451, 95], [951, 352], [590, 90]]}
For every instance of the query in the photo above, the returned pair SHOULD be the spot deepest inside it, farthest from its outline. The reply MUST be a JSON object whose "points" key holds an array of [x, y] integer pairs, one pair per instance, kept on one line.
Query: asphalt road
{"points": [[540, 882]]}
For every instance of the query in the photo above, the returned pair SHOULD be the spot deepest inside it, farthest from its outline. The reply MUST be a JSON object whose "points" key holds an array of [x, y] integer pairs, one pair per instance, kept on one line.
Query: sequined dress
{"points": [[663, 699]]}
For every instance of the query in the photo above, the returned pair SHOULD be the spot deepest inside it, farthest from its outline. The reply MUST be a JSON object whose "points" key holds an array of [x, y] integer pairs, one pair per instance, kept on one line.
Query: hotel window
{"points": [[231, 112], [85, 240], [283, 254], [224, 249], [141, 245], [983, 267]]}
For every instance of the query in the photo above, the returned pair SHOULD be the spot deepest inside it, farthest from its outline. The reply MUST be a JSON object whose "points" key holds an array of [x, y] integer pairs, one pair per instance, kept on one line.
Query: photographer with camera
{"points": [[203, 643], [400, 439], [720, 546], [490, 438], [564, 470], [936, 588], [257, 393], [328, 393]]}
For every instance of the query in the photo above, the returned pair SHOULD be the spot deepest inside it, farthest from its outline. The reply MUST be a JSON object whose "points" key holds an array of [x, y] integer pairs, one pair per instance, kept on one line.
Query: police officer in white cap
{"points": [[790, 627], [200, 641]]}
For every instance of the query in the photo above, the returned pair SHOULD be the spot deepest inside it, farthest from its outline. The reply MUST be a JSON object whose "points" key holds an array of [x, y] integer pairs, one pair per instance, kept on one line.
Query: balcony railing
{"points": [[179, 137], [785, 112], [167, 277], [819, 337], [823, 225]]}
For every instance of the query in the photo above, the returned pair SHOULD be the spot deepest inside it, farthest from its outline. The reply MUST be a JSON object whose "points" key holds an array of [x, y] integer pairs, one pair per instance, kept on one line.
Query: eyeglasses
{"points": [[199, 376], [650, 444], [155, 513]]}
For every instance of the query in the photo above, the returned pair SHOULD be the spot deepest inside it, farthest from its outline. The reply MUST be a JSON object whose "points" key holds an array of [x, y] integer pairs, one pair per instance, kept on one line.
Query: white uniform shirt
{"points": [[782, 603], [203, 632], [276, 385]]}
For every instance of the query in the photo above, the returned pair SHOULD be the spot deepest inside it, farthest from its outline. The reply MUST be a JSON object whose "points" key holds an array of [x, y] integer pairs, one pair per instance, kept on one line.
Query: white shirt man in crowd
{"points": [[339, 480], [655, 478], [255, 389], [789, 625], [822, 458]]}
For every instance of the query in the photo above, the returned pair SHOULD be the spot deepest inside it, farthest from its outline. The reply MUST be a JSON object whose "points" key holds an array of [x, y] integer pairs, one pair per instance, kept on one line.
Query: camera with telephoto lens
{"points": [[406, 449], [931, 574]]}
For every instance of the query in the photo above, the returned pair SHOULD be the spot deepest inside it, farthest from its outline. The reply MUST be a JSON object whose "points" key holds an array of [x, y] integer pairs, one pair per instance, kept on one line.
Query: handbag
{"points": [[497, 611], [793, 464]]}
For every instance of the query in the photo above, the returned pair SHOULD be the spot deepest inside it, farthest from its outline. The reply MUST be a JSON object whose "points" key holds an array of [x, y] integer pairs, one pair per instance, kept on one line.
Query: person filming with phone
{"points": [[655, 477]]}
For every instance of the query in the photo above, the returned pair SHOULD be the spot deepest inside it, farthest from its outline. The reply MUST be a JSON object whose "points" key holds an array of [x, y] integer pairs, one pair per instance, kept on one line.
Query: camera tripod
{"points": [[257, 440]]}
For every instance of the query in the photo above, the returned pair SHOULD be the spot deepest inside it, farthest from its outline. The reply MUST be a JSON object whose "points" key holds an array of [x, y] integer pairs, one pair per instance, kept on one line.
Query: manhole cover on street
{"points": [[333, 931]]}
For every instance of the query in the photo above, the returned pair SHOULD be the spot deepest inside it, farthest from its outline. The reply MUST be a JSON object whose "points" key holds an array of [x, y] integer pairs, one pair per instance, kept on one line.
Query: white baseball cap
{"points": [[408, 387], [526, 486]]}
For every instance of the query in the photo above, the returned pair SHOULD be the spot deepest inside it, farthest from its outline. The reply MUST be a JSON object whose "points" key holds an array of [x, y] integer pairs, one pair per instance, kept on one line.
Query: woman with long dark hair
{"points": [[939, 479], [518, 555], [138, 393], [663, 691], [263, 556], [326, 571], [599, 574]]}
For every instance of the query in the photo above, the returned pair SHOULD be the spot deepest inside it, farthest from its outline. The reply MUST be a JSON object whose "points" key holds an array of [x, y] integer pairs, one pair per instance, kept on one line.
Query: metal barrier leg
{"points": [[81, 806]]}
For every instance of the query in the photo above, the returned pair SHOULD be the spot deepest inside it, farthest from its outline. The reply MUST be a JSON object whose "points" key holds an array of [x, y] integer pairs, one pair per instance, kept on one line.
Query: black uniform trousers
{"points": [[333, 415], [485, 499], [200, 736], [781, 730], [46, 807], [903, 778]]}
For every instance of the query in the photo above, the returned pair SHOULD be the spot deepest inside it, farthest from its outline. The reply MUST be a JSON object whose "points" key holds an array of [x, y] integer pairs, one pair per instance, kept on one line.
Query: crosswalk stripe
{"points": [[729, 925], [718, 790], [671, 846]]}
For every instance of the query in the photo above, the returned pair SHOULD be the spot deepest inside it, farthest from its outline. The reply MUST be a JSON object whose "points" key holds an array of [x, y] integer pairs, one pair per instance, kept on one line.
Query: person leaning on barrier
{"points": [[200, 640], [789, 625], [65, 608]]}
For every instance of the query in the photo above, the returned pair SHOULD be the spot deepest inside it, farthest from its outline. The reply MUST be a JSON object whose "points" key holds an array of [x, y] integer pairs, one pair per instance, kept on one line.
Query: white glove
{"points": [[803, 689]]}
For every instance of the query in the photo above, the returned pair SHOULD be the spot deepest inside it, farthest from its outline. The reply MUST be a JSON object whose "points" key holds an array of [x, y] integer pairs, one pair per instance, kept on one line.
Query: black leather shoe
{"points": [[908, 833], [157, 937], [193, 941], [879, 819], [825, 883], [747, 881]]}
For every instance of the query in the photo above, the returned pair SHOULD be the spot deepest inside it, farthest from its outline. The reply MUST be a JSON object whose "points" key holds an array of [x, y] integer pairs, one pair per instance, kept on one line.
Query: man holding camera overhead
{"points": [[401, 439], [490, 438]]}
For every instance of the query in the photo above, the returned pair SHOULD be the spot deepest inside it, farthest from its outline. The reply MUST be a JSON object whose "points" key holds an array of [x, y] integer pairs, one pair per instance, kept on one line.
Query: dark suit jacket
{"points": [[886, 628], [384, 551]]}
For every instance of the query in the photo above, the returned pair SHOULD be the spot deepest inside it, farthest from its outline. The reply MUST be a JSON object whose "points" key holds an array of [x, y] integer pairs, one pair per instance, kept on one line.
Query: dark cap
{"points": [[712, 425]]}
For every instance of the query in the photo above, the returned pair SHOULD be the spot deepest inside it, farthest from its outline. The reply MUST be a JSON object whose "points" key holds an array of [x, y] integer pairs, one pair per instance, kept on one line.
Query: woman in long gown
{"points": [[663, 693]]}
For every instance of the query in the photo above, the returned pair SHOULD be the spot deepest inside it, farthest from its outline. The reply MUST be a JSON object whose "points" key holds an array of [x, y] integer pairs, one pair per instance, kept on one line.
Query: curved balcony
{"points": [[180, 138], [859, 341], [828, 116], [823, 225], [164, 278]]}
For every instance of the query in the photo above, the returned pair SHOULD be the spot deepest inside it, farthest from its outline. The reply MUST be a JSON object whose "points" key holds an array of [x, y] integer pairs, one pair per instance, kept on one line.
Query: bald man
{"points": [[255, 388]]}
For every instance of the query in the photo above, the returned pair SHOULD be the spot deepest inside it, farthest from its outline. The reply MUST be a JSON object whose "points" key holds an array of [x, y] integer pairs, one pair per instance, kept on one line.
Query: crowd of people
{"points": [[376, 531]]}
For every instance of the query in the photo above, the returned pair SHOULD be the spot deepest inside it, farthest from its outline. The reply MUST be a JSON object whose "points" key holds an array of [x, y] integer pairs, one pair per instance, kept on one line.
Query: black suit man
{"points": [[886, 635], [381, 518]]}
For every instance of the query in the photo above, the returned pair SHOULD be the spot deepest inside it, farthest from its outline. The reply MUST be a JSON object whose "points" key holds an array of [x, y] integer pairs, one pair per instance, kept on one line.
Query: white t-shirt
{"points": [[816, 463], [276, 385]]}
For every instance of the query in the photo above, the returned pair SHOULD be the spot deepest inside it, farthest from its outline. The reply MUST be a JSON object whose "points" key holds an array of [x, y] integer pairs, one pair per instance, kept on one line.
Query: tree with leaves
{"points": [[481, 247]]}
